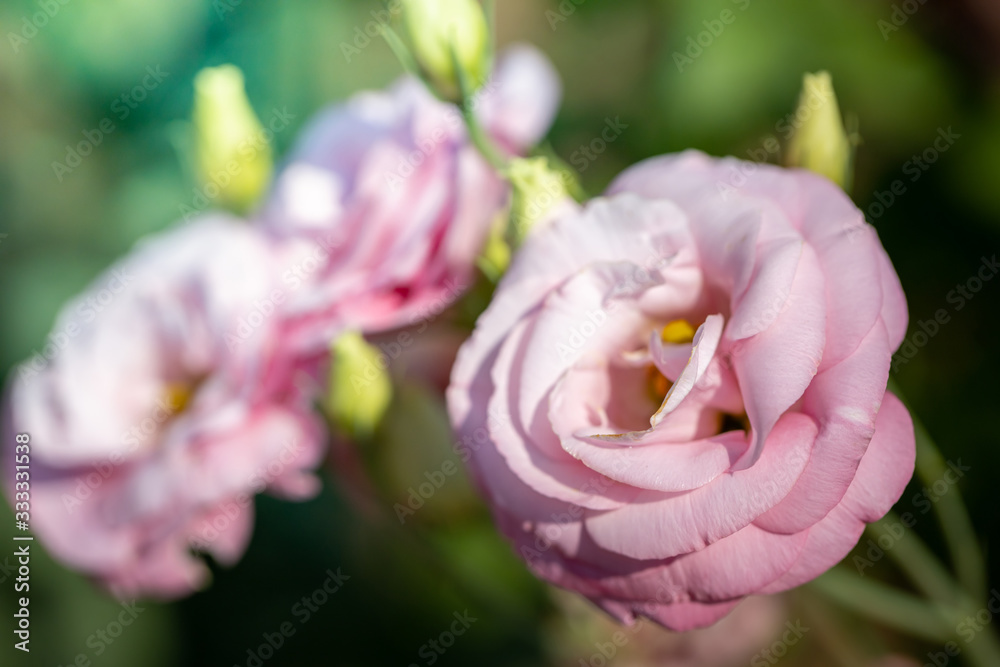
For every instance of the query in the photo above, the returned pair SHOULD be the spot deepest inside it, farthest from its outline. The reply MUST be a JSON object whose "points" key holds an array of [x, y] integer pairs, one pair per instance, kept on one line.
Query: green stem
{"points": [[482, 141], [933, 622], [477, 135], [832, 637], [984, 650], [917, 561], [884, 604], [956, 526], [402, 53], [954, 605], [490, 11]]}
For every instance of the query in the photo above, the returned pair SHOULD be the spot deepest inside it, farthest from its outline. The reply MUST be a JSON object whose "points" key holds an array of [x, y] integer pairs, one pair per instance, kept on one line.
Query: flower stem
{"points": [[917, 561], [953, 604], [959, 534], [477, 135], [402, 54], [884, 604], [930, 621], [956, 526], [831, 635]]}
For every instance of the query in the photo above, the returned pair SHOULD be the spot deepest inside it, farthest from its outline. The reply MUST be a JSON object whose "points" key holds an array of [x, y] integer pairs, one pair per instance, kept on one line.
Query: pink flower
{"points": [[670, 475], [166, 409], [391, 204]]}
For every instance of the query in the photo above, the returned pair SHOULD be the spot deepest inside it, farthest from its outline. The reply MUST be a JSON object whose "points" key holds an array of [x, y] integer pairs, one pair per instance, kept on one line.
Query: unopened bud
{"points": [[360, 387], [232, 151], [820, 142], [443, 32]]}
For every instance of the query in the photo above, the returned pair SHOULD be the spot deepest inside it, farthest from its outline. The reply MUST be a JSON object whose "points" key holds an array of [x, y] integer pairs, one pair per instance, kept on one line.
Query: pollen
{"points": [[677, 332], [176, 396]]}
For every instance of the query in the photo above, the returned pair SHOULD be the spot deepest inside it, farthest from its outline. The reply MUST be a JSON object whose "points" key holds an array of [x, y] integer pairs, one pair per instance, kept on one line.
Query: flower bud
{"points": [[538, 191], [232, 152], [820, 142], [360, 387], [442, 31], [495, 258]]}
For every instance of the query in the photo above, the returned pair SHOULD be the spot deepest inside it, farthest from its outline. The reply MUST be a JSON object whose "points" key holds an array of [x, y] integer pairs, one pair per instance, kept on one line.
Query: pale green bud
{"points": [[232, 154], [495, 257], [360, 387], [819, 142], [442, 31], [538, 190]]}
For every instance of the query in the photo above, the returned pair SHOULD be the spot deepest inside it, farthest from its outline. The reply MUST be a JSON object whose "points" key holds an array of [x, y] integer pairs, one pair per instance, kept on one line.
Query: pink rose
{"points": [[165, 408], [390, 203], [669, 475]]}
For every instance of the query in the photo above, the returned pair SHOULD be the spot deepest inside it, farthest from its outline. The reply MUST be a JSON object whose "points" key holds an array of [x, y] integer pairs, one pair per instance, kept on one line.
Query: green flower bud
{"points": [[538, 189], [495, 258], [360, 387], [232, 154], [820, 142], [442, 31]]}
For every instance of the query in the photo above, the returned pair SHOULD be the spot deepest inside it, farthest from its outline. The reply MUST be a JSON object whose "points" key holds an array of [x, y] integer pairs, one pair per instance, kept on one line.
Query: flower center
{"points": [[677, 332], [176, 396]]}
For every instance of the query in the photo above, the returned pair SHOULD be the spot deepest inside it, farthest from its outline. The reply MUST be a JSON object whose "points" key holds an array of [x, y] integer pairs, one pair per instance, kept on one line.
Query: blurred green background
{"points": [[902, 80]]}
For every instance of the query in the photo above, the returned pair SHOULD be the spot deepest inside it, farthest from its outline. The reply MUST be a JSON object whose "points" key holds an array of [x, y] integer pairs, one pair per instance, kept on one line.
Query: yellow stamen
{"points": [[177, 395], [677, 332]]}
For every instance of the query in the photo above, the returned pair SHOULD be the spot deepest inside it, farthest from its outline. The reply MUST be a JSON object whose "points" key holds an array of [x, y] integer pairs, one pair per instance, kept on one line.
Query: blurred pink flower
{"points": [[670, 475], [168, 407], [389, 203]]}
